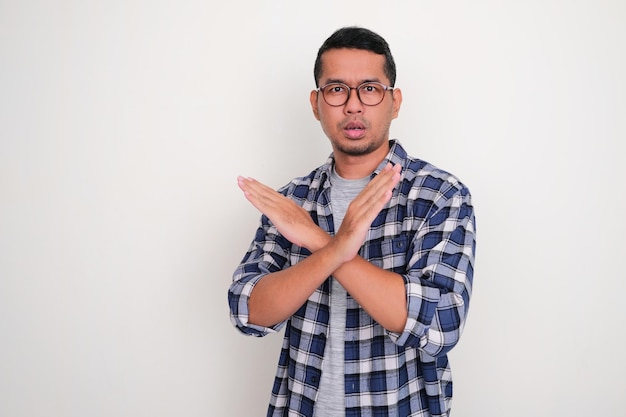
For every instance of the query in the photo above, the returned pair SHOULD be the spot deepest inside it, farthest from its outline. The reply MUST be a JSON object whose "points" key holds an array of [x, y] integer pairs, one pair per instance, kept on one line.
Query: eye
{"points": [[335, 89], [370, 88]]}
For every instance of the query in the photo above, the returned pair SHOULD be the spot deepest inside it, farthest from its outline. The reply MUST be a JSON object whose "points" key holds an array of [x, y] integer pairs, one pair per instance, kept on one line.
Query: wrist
{"points": [[318, 240]]}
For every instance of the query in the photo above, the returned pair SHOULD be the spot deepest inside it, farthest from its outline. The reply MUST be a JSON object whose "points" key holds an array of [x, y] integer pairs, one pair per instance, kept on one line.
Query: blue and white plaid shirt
{"points": [[426, 233]]}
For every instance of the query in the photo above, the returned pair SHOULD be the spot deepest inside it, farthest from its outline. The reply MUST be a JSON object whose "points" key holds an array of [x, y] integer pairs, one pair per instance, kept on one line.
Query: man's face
{"points": [[355, 129]]}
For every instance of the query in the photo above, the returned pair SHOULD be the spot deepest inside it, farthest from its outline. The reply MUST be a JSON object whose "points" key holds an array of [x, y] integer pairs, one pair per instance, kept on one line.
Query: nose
{"points": [[353, 105]]}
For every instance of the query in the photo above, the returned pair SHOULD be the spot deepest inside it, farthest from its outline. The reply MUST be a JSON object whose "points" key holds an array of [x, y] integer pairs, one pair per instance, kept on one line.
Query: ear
{"points": [[313, 99], [397, 101]]}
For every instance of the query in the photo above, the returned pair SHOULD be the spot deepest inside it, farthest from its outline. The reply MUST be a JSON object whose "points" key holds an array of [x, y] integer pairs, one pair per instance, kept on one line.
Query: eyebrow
{"points": [[339, 80]]}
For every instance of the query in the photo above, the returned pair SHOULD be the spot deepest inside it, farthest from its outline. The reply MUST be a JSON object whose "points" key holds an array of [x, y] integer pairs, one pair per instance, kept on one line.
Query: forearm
{"points": [[381, 293], [277, 296]]}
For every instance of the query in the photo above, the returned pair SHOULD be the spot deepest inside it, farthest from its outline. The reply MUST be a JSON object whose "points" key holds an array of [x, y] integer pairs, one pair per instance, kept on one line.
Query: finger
{"points": [[252, 185], [388, 175], [257, 189], [369, 205], [261, 196], [385, 181], [389, 178]]}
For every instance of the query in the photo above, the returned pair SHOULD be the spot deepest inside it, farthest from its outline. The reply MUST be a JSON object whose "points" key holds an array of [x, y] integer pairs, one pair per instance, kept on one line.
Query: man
{"points": [[367, 260]]}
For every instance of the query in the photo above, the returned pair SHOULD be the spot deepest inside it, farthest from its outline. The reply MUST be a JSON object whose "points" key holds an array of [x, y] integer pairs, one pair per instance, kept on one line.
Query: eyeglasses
{"points": [[369, 93]]}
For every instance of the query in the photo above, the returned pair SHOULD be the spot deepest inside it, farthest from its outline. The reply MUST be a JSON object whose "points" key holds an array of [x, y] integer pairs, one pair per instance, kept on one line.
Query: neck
{"points": [[354, 167]]}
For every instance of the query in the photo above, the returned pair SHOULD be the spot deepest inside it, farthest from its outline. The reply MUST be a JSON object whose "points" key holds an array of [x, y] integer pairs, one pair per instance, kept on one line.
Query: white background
{"points": [[123, 126]]}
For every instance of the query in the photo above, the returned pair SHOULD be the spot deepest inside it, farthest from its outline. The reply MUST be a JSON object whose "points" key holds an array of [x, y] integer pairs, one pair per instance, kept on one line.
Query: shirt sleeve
{"points": [[267, 254], [439, 277]]}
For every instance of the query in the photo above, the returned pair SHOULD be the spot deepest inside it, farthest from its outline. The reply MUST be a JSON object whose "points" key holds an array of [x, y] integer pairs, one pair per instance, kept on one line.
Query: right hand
{"points": [[291, 220]]}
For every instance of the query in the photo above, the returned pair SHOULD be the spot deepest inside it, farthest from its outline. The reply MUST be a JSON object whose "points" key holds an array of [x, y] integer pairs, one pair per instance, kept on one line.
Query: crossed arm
{"points": [[278, 295]]}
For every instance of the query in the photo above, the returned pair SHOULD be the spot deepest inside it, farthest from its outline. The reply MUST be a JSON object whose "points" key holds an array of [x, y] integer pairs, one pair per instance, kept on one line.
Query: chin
{"points": [[356, 150], [356, 147]]}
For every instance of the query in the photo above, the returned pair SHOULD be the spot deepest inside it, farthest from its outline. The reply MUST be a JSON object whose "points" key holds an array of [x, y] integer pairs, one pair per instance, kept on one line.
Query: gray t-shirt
{"points": [[331, 394]]}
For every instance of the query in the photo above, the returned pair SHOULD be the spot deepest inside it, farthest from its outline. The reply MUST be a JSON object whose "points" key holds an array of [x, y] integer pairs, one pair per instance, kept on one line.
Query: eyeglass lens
{"points": [[337, 94]]}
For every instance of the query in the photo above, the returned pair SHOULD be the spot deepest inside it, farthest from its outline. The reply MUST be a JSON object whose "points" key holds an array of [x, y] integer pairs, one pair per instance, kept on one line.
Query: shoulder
{"points": [[426, 175], [301, 187], [425, 180]]}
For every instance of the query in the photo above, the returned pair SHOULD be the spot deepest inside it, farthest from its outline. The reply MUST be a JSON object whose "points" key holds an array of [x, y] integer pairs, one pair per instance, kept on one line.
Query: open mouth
{"points": [[354, 129]]}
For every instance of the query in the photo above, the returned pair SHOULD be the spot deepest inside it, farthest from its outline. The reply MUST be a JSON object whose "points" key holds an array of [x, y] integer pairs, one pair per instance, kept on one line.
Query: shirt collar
{"points": [[396, 155]]}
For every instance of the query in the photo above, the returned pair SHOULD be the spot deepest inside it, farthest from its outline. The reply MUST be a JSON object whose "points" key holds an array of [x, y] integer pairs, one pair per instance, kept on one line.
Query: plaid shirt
{"points": [[425, 234]]}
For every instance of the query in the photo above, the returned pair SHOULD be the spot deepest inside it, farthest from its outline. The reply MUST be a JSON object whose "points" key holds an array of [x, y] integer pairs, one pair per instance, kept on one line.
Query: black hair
{"points": [[357, 38]]}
